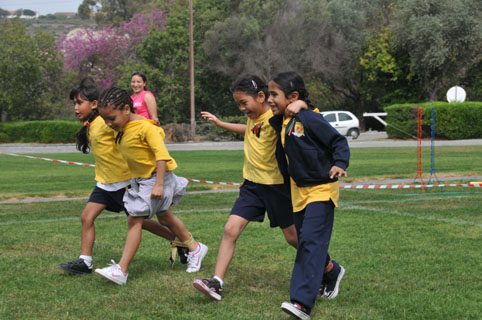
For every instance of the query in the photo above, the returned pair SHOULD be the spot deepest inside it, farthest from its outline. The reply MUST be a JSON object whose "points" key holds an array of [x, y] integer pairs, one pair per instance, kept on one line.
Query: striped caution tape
{"points": [[345, 186], [407, 186], [53, 160]]}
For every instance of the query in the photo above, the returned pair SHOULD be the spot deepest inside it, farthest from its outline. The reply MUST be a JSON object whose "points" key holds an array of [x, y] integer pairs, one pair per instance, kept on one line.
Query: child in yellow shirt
{"points": [[154, 187], [111, 173]]}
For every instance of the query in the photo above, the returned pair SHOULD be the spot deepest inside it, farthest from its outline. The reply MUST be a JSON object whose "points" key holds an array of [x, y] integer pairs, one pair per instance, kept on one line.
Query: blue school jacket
{"points": [[311, 150]]}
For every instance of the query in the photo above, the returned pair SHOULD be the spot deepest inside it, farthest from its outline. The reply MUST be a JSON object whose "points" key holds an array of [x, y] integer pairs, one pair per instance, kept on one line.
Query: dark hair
{"points": [[116, 97], [289, 82], [250, 84], [140, 74], [87, 90]]}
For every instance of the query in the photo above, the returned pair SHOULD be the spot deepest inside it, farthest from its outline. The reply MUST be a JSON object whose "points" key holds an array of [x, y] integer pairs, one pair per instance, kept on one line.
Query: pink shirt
{"points": [[140, 103]]}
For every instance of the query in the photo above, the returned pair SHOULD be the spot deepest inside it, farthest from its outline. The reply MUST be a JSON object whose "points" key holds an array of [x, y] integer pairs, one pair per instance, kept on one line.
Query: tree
{"points": [[4, 13], [28, 12], [85, 9], [99, 53], [166, 55], [114, 12], [443, 39], [30, 66]]}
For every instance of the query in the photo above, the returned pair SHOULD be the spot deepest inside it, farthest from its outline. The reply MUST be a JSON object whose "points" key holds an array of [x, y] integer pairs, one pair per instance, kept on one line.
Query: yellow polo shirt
{"points": [[110, 167], [142, 144], [260, 165]]}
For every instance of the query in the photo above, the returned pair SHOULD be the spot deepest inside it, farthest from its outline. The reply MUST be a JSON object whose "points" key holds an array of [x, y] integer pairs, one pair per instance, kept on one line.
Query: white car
{"points": [[345, 122]]}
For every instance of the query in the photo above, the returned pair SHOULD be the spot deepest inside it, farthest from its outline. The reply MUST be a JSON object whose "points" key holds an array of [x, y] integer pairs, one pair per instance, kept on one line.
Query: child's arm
{"points": [[158, 188], [235, 127], [295, 107], [337, 172]]}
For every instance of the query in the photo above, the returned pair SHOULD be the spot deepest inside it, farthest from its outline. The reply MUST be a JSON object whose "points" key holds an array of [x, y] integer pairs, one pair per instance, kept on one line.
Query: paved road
{"points": [[366, 140]]}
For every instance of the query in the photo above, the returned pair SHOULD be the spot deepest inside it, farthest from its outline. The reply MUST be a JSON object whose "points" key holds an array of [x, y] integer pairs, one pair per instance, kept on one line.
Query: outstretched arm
{"points": [[235, 127]]}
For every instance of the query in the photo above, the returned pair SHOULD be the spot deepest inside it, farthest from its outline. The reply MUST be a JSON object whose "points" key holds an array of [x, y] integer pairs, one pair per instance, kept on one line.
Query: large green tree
{"points": [[31, 68], [443, 39]]}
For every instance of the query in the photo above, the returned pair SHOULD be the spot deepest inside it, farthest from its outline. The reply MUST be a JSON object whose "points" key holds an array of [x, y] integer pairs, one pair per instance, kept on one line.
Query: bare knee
{"points": [[87, 218], [231, 232]]}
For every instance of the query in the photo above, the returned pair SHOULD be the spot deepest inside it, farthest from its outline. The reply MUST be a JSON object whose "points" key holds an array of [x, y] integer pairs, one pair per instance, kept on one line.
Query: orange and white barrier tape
{"points": [[345, 186]]}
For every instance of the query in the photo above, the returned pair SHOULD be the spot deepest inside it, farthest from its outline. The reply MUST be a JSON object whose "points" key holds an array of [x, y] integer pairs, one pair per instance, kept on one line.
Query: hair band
{"points": [[87, 123], [254, 84]]}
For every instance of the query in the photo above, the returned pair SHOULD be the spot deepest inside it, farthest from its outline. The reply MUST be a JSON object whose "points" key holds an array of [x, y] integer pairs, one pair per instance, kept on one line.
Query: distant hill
{"points": [[57, 26]]}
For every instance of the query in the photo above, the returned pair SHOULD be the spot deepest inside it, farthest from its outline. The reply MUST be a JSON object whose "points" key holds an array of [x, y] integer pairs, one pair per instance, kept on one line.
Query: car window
{"points": [[330, 117], [344, 116]]}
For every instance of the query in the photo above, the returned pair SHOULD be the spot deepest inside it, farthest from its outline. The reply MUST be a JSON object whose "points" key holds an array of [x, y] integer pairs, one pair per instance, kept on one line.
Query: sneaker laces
{"points": [[191, 256], [113, 265]]}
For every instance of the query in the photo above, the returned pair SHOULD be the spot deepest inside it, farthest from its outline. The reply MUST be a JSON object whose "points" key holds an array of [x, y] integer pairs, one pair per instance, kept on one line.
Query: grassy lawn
{"points": [[407, 255]]}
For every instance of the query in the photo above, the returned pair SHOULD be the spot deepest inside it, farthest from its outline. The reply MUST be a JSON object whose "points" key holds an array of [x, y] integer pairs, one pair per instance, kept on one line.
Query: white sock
{"points": [[87, 260], [220, 280]]}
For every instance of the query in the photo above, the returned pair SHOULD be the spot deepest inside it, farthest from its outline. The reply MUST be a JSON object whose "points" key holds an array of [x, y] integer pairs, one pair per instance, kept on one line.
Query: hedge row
{"points": [[50, 131], [453, 121], [59, 131]]}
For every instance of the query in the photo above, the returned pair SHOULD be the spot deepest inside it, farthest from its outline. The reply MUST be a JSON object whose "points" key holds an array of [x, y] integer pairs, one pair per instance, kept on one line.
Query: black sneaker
{"points": [[296, 310], [332, 283], [210, 287], [183, 252], [76, 267]]}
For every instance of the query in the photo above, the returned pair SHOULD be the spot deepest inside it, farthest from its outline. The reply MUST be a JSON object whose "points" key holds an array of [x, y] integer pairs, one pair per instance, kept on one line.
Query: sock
{"points": [[220, 280], [87, 260], [190, 241]]}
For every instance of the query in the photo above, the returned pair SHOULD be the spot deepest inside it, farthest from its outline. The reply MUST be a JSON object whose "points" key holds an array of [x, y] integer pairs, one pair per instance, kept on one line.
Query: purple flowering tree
{"points": [[99, 53]]}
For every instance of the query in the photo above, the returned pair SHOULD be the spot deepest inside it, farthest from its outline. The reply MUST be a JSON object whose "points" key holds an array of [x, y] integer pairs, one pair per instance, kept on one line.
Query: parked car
{"points": [[345, 122]]}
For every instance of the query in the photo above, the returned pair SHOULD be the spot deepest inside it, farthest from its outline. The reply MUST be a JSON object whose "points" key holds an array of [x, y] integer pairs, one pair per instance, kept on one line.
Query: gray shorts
{"points": [[137, 199]]}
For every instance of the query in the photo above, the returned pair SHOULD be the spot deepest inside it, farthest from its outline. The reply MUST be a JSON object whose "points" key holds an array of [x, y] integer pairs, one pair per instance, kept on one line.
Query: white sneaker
{"points": [[195, 258], [114, 273]]}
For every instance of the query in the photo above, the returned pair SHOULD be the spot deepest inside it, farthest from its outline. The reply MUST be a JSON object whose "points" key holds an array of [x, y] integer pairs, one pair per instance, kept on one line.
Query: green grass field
{"points": [[407, 255]]}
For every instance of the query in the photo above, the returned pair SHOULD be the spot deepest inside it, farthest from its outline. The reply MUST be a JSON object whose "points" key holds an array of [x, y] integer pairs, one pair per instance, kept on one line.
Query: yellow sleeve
{"points": [[155, 139]]}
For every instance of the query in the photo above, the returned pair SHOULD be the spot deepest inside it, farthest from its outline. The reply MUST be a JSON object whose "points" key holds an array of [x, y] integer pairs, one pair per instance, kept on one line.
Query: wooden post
{"points": [[191, 70]]}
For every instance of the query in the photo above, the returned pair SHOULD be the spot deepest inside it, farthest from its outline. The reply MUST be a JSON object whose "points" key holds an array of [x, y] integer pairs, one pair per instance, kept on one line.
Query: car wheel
{"points": [[354, 133]]}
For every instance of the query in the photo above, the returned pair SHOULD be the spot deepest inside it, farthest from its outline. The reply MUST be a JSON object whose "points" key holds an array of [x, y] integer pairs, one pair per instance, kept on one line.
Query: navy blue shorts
{"points": [[111, 199], [255, 199]]}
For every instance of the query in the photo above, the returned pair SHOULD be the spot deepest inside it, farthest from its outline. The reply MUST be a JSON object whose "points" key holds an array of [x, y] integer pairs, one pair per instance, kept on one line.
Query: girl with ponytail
{"points": [[111, 173]]}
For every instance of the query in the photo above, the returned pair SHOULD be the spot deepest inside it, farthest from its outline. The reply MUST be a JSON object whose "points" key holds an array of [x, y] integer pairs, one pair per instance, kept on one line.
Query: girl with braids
{"points": [[263, 189], [315, 155], [111, 173], [154, 187]]}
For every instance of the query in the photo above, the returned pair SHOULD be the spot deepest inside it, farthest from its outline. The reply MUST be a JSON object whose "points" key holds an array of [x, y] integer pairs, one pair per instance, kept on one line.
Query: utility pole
{"points": [[191, 70]]}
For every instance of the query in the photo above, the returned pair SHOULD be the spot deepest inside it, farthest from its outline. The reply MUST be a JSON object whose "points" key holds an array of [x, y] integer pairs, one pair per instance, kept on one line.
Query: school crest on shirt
{"points": [[256, 130], [296, 128]]}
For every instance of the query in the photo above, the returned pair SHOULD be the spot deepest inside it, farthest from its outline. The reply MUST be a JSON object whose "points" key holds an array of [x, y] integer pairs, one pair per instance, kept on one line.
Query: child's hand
{"points": [[210, 117], [295, 107], [157, 192], [337, 172]]}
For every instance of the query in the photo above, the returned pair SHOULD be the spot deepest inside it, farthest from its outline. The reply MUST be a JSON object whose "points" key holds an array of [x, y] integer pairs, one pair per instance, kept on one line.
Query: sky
{"points": [[42, 6]]}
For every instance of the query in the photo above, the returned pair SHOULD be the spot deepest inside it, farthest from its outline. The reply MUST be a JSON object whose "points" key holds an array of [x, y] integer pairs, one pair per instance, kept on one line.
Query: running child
{"points": [[111, 173], [315, 156], [154, 187], [263, 189]]}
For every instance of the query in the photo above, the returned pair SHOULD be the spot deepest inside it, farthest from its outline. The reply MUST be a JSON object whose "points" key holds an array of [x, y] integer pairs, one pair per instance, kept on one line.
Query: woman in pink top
{"points": [[144, 101]]}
